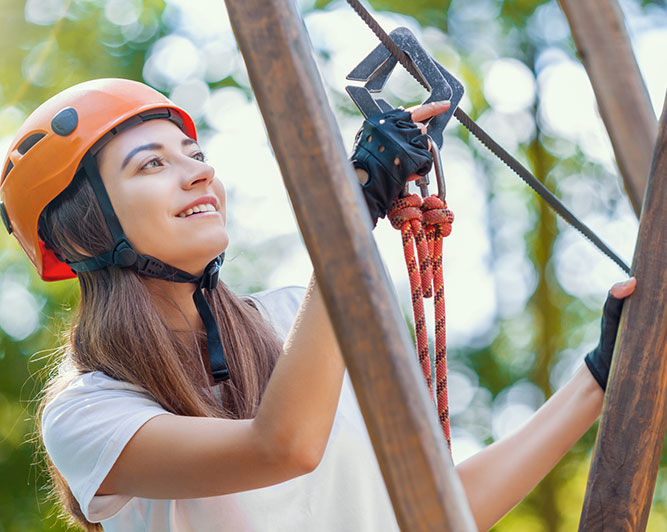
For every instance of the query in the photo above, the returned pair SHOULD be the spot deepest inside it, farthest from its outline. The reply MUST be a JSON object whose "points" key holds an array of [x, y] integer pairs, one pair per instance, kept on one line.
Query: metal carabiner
{"points": [[439, 173], [424, 181]]}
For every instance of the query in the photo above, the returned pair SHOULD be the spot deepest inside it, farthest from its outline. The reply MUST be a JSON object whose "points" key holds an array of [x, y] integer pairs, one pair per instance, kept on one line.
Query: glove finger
{"points": [[420, 141], [424, 169], [399, 115], [407, 126], [611, 316], [613, 307], [423, 163]]}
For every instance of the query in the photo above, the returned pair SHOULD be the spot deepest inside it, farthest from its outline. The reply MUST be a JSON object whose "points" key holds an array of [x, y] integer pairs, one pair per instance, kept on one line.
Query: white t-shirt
{"points": [[87, 425]]}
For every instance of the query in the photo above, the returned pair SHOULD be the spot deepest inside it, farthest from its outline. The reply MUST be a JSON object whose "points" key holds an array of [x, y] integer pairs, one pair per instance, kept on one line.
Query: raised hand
{"points": [[392, 148], [599, 360]]}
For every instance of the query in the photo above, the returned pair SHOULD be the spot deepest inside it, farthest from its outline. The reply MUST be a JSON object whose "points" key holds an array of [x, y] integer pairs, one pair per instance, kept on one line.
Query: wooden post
{"points": [[604, 47], [418, 472], [634, 417]]}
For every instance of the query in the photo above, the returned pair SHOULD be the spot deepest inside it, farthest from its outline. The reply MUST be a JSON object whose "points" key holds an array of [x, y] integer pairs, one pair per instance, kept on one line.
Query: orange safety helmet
{"points": [[48, 149], [62, 137]]}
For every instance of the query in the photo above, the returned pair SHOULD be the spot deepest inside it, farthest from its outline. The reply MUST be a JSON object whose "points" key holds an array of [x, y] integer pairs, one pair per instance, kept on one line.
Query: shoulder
{"points": [[95, 383], [92, 399], [87, 424], [93, 403], [278, 306]]}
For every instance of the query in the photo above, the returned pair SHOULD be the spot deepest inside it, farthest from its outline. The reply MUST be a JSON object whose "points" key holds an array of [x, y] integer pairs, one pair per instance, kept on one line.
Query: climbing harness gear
{"points": [[413, 68], [423, 221], [57, 142]]}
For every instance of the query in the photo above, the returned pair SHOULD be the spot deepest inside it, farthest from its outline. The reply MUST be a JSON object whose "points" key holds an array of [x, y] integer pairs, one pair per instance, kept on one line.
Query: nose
{"points": [[197, 172]]}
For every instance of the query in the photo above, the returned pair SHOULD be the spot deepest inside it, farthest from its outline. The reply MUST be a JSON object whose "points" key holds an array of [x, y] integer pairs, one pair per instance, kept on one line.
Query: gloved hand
{"points": [[390, 147], [599, 360]]}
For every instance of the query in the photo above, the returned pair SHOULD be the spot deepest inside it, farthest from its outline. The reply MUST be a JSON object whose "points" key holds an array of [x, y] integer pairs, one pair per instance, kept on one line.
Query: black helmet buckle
{"points": [[123, 254]]}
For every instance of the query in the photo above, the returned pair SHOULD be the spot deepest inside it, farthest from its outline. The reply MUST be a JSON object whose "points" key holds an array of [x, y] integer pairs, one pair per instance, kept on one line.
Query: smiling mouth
{"points": [[204, 208]]}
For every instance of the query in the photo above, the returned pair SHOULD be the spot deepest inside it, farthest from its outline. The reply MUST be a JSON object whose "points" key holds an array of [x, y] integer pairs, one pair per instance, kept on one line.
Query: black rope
{"points": [[488, 142], [537, 186]]}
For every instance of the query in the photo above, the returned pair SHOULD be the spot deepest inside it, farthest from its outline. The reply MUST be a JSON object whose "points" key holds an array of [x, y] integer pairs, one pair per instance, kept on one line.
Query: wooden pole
{"points": [[634, 417], [599, 33], [422, 483]]}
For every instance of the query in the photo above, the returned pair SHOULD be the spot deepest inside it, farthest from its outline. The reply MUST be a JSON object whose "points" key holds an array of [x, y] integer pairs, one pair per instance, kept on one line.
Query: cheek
{"points": [[219, 189], [141, 212], [220, 192]]}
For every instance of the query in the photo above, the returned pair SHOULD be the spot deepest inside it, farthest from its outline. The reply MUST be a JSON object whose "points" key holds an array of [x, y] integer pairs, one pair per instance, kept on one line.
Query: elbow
{"points": [[290, 453], [302, 456], [306, 458]]}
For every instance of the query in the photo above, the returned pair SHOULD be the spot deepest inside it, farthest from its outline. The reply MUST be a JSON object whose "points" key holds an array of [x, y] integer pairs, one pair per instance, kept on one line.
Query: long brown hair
{"points": [[118, 330]]}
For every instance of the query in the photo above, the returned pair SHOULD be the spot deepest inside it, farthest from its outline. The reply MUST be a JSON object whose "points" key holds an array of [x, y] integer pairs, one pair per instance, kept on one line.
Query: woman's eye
{"points": [[153, 163], [199, 156]]}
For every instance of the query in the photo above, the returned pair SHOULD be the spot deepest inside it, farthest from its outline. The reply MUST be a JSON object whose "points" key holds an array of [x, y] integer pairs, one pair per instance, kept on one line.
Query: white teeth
{"points": [[204, 207]]}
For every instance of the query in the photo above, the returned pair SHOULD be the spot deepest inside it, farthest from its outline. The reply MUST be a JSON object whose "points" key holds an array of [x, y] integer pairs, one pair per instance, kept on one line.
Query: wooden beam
{"points": [[422, 483], [634, 417], [599, 33]]}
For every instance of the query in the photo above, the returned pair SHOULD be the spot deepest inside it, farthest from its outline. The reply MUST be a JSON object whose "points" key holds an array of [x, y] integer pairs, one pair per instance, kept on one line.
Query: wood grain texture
{"points": [[422, 483], [599, 33], [634, 417]]}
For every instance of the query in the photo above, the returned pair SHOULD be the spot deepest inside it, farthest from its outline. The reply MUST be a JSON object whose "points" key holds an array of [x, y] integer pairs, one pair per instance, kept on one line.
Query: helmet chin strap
{"points": [[123, 255]]}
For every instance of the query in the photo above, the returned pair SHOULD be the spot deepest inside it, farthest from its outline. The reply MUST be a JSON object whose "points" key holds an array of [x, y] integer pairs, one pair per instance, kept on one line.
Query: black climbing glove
{"points": [[599, 360], [390, 147]]}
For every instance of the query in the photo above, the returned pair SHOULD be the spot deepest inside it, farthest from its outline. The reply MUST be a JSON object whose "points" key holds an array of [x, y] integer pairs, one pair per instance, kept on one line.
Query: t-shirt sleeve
{"points": [[85, 428], [279, 307]]}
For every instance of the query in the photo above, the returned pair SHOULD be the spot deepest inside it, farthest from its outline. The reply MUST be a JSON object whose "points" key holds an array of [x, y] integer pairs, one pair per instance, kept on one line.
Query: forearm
{"points": [[501, 475], [300, 402]]}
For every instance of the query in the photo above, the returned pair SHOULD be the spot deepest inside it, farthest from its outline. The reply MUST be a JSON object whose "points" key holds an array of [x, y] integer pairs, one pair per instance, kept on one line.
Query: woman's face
{"points": [[154, 175]]}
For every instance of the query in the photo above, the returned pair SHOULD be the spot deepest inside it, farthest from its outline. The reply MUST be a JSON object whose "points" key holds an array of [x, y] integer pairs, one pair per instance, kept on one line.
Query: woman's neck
{"points": [[183, 318]]}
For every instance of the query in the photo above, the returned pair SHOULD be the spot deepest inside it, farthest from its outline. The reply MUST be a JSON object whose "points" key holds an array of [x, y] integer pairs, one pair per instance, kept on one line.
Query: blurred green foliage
{"points": [[79, 42]]}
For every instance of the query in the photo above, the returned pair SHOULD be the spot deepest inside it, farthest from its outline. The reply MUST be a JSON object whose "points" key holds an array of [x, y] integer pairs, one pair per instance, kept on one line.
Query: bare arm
{"points": [[185, 457], [500, 476]]}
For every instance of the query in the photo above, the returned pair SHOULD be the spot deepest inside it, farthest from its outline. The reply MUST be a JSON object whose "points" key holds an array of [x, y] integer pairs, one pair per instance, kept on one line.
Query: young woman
{"points": [[180, 406]]}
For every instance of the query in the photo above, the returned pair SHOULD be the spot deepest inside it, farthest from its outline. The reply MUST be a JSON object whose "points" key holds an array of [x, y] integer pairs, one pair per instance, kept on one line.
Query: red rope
{"points": [[438, 222], [423, 224], [406, 215]]}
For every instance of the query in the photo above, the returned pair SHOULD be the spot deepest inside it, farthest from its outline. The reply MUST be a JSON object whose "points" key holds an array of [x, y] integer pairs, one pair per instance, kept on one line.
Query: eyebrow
{"points": [[151, 146]]}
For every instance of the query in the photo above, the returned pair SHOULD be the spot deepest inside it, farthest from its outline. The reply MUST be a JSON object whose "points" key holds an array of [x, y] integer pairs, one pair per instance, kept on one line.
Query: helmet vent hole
{"points": [[29, 142], [10, 165]]}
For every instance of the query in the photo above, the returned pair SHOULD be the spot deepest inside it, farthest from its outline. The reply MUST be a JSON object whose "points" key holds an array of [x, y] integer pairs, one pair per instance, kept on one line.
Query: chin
{"points": [[209, 251], [194, 258]]}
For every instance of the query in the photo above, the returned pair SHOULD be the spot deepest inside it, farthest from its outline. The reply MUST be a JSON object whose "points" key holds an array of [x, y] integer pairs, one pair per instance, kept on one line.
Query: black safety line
{"points": [[488, 142]]}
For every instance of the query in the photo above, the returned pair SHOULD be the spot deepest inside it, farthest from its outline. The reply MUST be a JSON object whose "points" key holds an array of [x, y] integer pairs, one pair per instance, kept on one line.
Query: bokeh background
{"points": [[524, 292]]}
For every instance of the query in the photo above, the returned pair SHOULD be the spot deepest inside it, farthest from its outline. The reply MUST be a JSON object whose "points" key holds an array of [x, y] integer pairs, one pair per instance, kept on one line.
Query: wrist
{"points": [[589, 388], [597, 373]]}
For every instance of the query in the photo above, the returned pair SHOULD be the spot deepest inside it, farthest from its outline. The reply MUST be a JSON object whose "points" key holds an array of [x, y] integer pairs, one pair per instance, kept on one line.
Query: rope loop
{"points": [[435, 212], [424, 224], [406, 209], [406, 214]]}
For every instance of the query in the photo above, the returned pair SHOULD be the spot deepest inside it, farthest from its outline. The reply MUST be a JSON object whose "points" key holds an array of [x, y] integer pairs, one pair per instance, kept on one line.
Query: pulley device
{"points": [[411, 66], [424, 221]]}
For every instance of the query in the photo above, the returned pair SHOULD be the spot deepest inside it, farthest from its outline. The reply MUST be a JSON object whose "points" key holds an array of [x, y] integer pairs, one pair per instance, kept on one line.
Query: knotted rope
{"points": [[423, 225], [406, 216]]}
